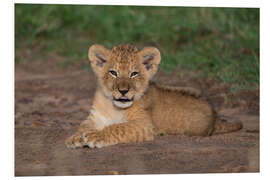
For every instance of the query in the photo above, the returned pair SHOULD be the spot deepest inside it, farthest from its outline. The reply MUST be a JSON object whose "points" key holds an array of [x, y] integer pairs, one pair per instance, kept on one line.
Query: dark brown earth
{"points": [[50, 103]]}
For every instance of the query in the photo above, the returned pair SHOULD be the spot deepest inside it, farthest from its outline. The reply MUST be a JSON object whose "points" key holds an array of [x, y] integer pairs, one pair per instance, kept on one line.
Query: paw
{"points": [[94, 139], [75, 141]]}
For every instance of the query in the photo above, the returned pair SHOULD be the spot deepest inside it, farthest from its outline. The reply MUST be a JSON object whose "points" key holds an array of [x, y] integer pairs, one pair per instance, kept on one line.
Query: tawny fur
{"points": [[151, 108]]}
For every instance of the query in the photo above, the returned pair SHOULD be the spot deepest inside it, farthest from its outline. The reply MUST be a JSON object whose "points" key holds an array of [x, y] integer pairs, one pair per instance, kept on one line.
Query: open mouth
{"points": [[123, 99]]}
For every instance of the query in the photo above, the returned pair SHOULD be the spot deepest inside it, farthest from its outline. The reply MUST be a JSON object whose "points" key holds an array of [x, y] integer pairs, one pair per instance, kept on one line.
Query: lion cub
{"points": [[127, 108]]}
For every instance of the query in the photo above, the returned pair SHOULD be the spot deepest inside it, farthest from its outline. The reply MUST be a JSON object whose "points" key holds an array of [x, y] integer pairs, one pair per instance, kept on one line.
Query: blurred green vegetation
{"points": [[222, 43]]}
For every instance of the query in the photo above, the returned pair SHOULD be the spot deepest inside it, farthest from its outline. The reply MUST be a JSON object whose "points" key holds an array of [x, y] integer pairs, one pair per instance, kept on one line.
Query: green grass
{"points": [[221, 43]]}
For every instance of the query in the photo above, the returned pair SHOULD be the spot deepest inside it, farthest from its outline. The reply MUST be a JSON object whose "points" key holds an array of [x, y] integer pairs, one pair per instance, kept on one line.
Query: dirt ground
{"points": [[50, 103]]}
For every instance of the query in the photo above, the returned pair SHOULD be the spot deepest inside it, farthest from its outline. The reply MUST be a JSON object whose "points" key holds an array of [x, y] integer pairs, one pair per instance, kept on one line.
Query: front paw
{"points": [[75, 141], [94, 139]]}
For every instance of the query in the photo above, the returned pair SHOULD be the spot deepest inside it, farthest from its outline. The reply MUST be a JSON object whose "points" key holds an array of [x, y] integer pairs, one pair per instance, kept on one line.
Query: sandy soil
{"points": [[50, 104]]}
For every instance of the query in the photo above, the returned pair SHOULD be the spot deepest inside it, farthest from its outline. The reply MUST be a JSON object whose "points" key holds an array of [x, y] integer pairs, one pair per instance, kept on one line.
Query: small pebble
{"points": [[112, 173]]}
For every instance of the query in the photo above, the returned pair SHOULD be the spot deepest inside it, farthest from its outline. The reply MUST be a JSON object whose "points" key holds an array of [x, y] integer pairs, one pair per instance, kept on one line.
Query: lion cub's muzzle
{"points": [[123, 94], [124, 100]]}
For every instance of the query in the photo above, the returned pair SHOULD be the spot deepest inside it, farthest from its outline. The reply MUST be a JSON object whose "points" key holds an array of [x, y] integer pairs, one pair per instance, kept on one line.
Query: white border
{"points": [[7, 90], [264, 89], [201, 3]]}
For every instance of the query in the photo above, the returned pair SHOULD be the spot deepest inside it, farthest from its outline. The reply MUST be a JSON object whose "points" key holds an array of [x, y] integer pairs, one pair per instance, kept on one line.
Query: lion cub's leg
{"points": [[135, 130], [76, 140]]}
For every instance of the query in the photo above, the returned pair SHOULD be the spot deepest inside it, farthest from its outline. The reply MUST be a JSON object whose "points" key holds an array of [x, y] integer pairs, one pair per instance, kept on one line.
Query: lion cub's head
{"points": [[123, 72]]}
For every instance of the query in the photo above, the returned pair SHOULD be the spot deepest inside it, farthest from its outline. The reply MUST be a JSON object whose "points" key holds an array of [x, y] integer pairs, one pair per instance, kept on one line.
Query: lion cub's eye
{"points": [[113, 73], [133, 74]]}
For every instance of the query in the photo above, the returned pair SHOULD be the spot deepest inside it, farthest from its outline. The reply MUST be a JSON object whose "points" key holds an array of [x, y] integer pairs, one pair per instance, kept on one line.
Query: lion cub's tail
{"points": [[224, 126]]}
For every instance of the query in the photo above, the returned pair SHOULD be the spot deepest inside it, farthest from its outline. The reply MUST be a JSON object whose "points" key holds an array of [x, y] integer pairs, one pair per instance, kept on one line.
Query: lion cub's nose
{"points": [[123, 91]]}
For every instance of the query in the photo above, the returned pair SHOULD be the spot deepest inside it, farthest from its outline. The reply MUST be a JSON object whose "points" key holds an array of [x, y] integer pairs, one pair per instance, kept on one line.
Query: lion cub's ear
{"points": [[150, 58], [97, 55]]}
